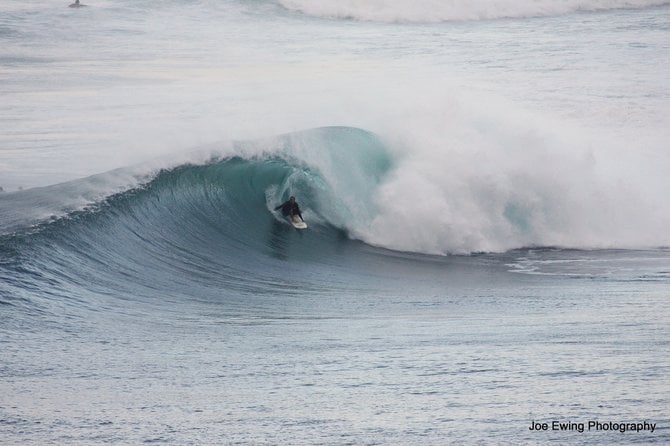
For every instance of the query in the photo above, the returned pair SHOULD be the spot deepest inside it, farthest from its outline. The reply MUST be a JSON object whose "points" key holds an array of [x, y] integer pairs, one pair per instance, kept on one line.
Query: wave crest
{"points": [[458, 10]]}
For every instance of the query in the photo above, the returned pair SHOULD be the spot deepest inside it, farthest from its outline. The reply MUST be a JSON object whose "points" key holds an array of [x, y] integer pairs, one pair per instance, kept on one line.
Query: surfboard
{"points": [[297, 223]]}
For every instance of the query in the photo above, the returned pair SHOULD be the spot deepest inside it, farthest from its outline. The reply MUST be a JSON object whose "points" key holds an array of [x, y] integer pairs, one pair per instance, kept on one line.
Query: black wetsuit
{"points": [[289, 209]]}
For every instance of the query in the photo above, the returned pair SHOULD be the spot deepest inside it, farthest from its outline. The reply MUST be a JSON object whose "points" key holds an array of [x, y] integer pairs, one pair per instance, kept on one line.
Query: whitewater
{"points": [[485, 186]]}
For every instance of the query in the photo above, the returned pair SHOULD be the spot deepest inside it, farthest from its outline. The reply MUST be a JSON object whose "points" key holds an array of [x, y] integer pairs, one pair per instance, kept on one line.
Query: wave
{"points": [[197, 227], [208, 229], [441, 11], [492, 188]]}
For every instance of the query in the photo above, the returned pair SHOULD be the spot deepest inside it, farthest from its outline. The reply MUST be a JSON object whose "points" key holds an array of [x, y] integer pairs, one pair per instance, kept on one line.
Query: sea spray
{"points": [[488, 176]]}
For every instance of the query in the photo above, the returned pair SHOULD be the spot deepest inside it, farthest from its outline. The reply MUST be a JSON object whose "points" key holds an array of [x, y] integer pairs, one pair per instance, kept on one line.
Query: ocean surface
{"points": [[485, 183]]}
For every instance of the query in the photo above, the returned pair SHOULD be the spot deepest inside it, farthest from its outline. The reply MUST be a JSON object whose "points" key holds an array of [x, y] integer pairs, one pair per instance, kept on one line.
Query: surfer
{"points": [[290, 208], [76, 4]]}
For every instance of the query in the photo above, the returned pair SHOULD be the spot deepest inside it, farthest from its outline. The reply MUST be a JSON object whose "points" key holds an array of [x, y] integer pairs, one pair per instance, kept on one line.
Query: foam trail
{"points": [[440, 11]]}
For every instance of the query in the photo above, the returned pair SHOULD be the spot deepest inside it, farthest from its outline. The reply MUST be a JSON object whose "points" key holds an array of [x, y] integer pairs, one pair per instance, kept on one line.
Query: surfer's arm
{"points": [[279, 207]]}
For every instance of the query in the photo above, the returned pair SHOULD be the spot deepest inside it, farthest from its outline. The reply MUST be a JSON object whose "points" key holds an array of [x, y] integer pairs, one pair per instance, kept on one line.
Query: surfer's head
{"points": [[291, 198]]}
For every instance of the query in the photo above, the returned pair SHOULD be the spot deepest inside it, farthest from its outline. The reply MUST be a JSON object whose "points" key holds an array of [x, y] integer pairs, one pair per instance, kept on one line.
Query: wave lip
{"points": [[427, 11]]}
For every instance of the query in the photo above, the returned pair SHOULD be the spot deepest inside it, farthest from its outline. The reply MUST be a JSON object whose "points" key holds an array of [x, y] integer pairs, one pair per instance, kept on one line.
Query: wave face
{"points": [[197, 229], [441, 11]]}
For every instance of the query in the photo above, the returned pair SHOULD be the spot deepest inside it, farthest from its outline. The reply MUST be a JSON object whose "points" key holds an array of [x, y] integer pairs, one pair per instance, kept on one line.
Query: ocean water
{"points": [[485, 185]]}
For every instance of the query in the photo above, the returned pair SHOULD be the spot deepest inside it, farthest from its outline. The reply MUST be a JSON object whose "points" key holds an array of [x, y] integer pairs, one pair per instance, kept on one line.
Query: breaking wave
{"points": [[441, 11]]}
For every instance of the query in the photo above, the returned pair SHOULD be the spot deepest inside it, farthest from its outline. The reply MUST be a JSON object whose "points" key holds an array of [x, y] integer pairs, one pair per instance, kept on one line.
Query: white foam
{"points": [[480, 174], [440, 11]]}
